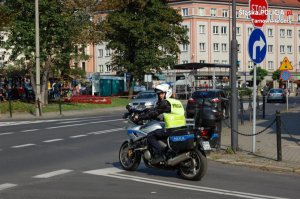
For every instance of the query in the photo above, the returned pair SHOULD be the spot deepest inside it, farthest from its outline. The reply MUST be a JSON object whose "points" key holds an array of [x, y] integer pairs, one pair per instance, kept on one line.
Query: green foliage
{"points": [[276, 75], [144, 35], [61, 25], [260, 74]]}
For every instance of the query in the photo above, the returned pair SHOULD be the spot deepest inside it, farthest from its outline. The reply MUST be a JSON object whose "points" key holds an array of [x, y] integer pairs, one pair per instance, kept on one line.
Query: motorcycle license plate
{"points": [[206, 145]]}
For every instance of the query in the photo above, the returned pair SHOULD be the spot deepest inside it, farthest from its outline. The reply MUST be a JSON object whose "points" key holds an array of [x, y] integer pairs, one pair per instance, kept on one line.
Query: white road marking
{"points": [[6, 186], [78, 136], [116, 173], [8, 133], [71, 125], [23, 145], [30, 130], [53, 173], [53, 140], [105, 131]]}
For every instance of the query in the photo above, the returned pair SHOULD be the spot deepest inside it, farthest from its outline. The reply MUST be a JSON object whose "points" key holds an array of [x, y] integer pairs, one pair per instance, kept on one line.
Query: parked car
{"points": [[216, 96], [144, 99], [276, 94]]}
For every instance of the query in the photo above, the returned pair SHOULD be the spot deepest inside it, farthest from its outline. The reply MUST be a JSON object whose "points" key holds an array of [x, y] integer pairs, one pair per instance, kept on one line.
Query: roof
{"points": [[281, 3], [192, 66]]}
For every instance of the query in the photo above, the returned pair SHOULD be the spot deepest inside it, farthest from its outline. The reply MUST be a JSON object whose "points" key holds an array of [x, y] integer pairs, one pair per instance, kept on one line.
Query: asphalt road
{"points": [[78, 158]]}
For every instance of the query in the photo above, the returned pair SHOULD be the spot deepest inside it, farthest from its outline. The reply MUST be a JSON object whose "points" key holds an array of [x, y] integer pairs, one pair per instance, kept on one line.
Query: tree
{"points": [[64, 26], [276, 75], [144, 36], [260, 74]]}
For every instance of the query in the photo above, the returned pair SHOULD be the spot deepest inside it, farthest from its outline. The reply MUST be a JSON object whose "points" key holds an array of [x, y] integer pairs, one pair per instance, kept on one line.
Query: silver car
{"points": [[276, 94], [144, 99]]}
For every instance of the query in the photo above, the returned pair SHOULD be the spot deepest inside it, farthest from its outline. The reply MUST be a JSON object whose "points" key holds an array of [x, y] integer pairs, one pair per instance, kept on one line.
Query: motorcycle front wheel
{"points": [[195, 167], [128, 158]]}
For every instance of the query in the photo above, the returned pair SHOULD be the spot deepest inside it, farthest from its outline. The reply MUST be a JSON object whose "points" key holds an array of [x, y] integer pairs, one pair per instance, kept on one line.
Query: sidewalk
{"points": [[49, 115], [265, 156]]}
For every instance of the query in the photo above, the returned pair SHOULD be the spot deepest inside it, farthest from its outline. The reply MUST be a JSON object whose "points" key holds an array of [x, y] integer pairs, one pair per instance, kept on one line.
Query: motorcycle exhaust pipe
{"points": [[176, 160]]}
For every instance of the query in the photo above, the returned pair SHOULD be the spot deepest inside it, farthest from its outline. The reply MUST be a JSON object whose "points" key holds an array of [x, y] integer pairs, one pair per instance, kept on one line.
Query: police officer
{"points": [[173, 114]]}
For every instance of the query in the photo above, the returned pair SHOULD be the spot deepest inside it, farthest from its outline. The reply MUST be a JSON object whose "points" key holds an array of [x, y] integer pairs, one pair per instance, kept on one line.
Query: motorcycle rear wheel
{"points": [[195, 167], [128, 158]]}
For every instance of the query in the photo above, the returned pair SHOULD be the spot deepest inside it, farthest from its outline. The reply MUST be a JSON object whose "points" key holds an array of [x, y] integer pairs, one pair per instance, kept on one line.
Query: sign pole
{"points": [[287, 96], [254, 108]]}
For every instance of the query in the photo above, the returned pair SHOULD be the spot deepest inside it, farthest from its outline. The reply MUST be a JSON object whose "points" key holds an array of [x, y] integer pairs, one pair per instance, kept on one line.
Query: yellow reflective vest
{"points": [[176, 118]]}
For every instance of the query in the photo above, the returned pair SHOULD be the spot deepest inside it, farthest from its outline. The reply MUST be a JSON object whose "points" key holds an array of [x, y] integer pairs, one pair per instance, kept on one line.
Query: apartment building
{"points": [[210, 27]]}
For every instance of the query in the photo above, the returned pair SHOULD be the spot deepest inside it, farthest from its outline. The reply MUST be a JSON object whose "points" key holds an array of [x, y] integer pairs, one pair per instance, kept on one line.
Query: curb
{"points": [[264, 167]]}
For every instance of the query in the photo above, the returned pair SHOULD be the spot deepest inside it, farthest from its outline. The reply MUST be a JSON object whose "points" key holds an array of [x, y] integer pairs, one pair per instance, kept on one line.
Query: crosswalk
{"points": [[120, 174]]}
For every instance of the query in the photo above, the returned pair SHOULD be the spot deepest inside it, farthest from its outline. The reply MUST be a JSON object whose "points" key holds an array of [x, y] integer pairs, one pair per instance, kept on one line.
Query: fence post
{"points": [[9, 104], [278, 133], [264, 106], [39, 106], [242, 110], [59, 104]]}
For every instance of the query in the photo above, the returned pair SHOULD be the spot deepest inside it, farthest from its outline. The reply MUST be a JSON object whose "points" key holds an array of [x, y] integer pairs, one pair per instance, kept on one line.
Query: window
{"points": [[185, 61], [299, 49], [108, 68], [107, 52], [270, 65], [100, 53], [270, 16], [250, 30], [238, 31], [238, 47], [250, 64], [216, 47], [202, 29], [289, 49], [298, 17], [216, 61], [83, 66], [201, 11], [202, 47], [290, 18], [224, 61], [270, 48], [270, 32], [224, 13], [215, 29], [100, 68], [213, 12], [185, 12], [237, 14], [289, 33], [202, 61], [223, 30], [281, 33], [280, 17], [185, 47], [281, 48], [224, 47]]}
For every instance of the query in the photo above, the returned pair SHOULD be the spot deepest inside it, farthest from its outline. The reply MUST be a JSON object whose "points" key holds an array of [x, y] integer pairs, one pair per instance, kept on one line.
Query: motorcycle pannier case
{"points": [[181, 140]]}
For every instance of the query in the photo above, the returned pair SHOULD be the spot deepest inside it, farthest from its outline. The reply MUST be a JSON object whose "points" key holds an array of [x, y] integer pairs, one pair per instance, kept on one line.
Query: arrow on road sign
{"points": [[257, 46], [260, 43]]}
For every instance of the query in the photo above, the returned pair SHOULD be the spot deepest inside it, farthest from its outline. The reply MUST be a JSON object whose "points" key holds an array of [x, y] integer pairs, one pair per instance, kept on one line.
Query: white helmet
{"points": [[164, 88]]}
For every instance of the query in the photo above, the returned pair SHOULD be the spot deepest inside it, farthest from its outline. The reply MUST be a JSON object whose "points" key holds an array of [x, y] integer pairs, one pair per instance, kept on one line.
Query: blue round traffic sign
{"points": [[257, 46]]}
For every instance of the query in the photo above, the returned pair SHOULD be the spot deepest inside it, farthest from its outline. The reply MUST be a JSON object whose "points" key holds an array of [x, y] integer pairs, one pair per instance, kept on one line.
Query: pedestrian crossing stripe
{"points": [[286, 64]]}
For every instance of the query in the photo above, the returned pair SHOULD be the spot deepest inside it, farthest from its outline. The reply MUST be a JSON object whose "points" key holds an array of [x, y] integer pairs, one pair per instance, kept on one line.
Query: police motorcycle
{"points": [[183, 150]]}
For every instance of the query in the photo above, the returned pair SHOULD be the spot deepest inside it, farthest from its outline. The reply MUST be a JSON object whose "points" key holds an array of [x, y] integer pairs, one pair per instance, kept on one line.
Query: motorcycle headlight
{"points": [[130, 104], [148, 104]]}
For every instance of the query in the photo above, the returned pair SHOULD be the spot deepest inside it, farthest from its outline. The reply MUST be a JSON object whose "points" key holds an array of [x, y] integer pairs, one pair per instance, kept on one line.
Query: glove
{"points": [[135, 118]]}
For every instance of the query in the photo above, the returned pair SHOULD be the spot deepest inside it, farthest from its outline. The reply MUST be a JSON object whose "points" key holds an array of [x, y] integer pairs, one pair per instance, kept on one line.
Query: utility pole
{"points": [[37, 58], [233, 71]]}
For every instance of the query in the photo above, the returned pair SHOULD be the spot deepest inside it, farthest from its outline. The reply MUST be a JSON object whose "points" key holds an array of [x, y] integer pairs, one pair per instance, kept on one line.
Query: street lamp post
{"points": [[37, 59], [234, 97]]}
